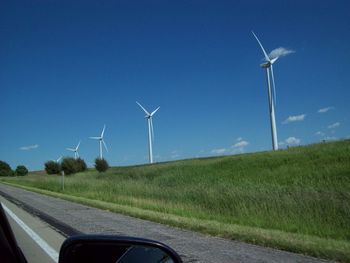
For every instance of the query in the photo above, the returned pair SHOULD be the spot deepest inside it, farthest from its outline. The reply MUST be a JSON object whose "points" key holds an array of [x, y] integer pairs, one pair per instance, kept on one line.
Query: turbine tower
{"points": [[150, 130], [268, 65], [101, 141], [75, 150]]}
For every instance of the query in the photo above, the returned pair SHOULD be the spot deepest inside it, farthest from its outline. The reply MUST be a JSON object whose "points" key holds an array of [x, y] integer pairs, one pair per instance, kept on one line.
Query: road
{"points": [[70, 218], [38, 241]]}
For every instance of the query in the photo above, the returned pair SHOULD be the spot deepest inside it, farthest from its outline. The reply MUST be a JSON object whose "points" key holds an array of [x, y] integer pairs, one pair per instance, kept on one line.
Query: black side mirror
{"points": [[114, 249]]}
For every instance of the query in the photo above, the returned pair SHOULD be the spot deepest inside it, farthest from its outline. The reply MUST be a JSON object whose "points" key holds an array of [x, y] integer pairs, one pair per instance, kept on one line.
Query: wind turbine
{"points": [[75, 150], [268, 65], [57, 161], [150, 130], [100, 138]]}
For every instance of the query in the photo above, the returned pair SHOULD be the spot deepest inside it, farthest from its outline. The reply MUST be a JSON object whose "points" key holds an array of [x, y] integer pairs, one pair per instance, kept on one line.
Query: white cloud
{"points": [[324, 110], [218, 151], [240, 144], [319, 133], [280, 52], [300, 117], [334, 125], [292, 141], [239, 139], [30, 147]]}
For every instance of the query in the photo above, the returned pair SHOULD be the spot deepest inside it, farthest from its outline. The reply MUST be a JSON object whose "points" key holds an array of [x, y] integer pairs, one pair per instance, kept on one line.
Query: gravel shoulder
{"points": [[71, 218]]}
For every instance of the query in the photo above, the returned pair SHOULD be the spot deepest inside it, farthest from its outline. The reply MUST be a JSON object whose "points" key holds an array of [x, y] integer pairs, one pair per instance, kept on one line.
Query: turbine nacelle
{"points": [[265, 64], [268, 64]]}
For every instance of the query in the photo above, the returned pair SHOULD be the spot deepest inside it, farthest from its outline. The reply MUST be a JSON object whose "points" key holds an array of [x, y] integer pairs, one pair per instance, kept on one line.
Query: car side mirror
{"points": [[115, 249]]}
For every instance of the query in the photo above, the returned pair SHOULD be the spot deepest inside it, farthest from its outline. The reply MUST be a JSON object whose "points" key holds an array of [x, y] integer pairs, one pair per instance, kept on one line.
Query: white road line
{"points": [[42, 243]]}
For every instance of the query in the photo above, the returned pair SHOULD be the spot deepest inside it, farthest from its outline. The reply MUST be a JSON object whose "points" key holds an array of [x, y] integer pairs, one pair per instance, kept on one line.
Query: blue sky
{"points": [[69, 67]]}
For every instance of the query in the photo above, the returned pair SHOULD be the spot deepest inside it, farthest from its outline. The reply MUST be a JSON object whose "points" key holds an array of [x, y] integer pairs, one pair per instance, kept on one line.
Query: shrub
{"points": [[5, 169], [52, 167], [101, 165], [21, 170], [81, 165], [72, 166], [69, 165]]}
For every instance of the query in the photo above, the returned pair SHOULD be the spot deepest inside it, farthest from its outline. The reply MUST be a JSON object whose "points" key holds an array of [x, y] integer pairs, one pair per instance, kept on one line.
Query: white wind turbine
{"points": [[57, 161], [75, 150], [150, 130], [268, 65], [100, 138]]}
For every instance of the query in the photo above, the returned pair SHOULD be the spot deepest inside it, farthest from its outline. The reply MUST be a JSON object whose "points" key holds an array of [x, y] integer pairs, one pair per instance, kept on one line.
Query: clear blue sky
{"points": [[69, 67]]}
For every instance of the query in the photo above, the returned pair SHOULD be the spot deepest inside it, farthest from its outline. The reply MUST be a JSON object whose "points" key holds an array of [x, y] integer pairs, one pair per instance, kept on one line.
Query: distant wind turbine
{"points": [[100, 138], [150, 129], [57, 161], [268, 65], [75, 150]]}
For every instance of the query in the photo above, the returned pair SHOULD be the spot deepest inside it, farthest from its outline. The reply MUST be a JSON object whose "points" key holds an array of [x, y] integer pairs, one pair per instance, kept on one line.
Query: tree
{"points": [[101, 165], [81, 165], [72, 166], [52, 167], [21, 170], [5, 169], [69, 165]]}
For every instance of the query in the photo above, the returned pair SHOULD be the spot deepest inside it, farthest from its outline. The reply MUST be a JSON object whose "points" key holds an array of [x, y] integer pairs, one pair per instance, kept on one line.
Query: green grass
{"points": [[296, 199]]}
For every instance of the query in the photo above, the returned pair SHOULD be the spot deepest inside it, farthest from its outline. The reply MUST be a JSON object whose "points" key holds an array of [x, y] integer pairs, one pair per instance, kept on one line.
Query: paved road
{"points": [[23, 225], [72, 218]]}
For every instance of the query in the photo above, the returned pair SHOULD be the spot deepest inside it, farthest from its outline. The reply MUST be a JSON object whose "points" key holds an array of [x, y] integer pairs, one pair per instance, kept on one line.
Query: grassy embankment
{"points": [[296, 199]]}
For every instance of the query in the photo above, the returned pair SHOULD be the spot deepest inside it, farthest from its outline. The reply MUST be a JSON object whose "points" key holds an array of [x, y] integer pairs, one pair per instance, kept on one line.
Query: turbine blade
{"points": [[273, 60], [70, 149], [273, 86], [58, 159], [153, 112], [265, 54], [78, 146], [95, 138], [105, 145], [143, 109], [103, 131]]}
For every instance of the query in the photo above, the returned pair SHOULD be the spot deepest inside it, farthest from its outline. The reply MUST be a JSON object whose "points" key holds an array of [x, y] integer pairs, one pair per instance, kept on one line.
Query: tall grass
{"points": [[302, 190]]}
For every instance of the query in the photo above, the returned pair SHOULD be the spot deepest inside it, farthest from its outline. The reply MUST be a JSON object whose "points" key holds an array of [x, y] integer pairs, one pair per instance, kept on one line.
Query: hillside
{"points": [[296, 199]]}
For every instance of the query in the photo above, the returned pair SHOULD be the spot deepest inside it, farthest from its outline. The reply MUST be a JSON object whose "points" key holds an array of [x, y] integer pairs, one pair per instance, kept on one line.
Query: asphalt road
{"points": [[27, 228], [71, 218]]}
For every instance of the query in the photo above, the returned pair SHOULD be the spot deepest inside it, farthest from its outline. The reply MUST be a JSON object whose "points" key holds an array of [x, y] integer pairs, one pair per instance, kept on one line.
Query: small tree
{"points": [[69, 166], [72, 166], [101, 165], [81, 165], [21, 170], [5, 169], [52, 167]]}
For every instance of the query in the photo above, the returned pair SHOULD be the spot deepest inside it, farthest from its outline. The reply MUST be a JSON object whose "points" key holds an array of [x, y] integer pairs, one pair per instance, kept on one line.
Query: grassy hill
{"points": [[296, 199]]}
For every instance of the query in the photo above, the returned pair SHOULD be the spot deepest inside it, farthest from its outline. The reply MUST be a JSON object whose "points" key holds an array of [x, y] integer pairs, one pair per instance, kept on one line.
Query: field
{"points": [[296, 199]]}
